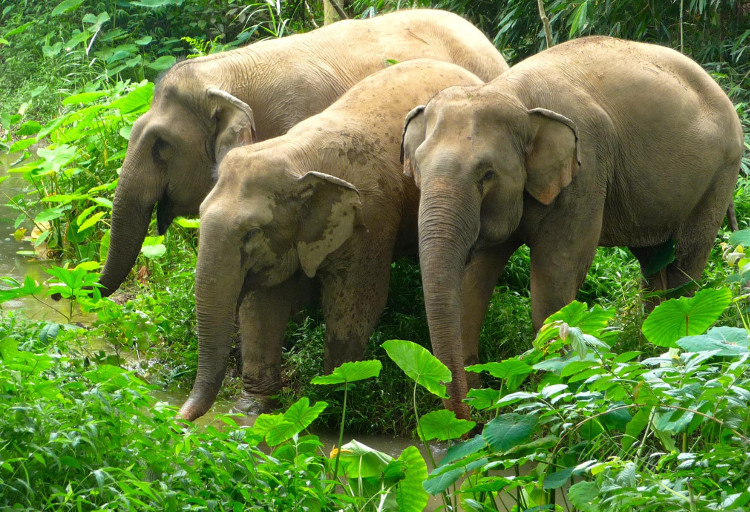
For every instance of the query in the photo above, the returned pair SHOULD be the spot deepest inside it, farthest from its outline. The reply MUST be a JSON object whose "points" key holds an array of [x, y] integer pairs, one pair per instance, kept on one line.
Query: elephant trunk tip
{"points": [[105, 290], [192, 409]]}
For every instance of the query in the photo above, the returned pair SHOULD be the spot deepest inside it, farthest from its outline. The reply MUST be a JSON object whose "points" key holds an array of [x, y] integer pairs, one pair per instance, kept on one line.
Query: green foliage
{"points": [[78, 434], [628, 429], [419, 365], [351, 372], [676, 318]]}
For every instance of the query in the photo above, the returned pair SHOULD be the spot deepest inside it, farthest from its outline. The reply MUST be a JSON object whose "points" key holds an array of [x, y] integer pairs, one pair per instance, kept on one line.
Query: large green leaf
{"points": [[84, 98], [685, 316], [741, 237], [583, 495], [728, 341], [153, 248], [265, 423], [29, 287], [162, 63], [22, 144], [91, 221], [351, 372], [503, 369], [29, 128], [461, 450], [557, 479], [421, 366], [576, 314], [438, 483], [410, 494], [137, 100], [481, 399], [443, 425], [509, 430], [51, 214], [296, 419], [301, 414], [65, 6], [361, 461], [443, 477]]}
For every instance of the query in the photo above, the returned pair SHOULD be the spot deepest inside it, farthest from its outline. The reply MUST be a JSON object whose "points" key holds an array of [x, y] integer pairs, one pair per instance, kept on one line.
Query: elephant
{"points": [[594, 142], [324, 207], [203, 107]]}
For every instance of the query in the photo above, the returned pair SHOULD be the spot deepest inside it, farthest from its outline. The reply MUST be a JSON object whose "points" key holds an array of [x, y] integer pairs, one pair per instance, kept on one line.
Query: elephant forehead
{"points": [[240, 210]]}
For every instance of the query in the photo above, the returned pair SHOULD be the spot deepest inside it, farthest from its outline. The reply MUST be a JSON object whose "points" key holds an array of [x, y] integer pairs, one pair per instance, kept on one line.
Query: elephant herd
{"points": [[313, 164]]}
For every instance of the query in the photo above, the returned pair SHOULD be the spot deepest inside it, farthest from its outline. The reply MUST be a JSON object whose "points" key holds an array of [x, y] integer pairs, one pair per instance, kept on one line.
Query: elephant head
{"points": [[475, 159], [261, 223], [170, 162]]}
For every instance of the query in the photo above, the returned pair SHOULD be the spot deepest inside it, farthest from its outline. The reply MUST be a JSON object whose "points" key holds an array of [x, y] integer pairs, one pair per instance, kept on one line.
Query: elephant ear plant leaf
{"points": [[379, 473], [345, 374], [428, 371], [421, 366], [277, 428], [592, 321], [686, 316], [727, 341], [443, 426], [509, 430]]}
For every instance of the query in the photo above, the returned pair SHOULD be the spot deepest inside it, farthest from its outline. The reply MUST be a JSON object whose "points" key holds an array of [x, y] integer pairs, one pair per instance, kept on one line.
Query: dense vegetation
{"points": [[592, 402]]}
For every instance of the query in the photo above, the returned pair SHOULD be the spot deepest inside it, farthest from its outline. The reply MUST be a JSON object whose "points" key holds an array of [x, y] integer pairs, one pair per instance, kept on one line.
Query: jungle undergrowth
{"points": [[92, 67]]}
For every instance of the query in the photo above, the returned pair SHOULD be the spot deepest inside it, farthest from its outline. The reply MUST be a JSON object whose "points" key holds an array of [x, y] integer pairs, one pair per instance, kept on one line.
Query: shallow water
{"points": [[18, 266]]}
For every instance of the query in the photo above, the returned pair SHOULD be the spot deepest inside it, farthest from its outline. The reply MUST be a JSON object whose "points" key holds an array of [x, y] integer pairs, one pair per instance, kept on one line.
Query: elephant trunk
{"points": [[138, 189], [448, 227], [218, 283]]}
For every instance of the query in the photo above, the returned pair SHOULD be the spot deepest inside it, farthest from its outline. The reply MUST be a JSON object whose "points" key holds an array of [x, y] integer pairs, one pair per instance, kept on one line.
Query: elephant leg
{"points": [[693, 247], [353, 297], [264, 315], [651, 283], [559, 263], [480, 278]]}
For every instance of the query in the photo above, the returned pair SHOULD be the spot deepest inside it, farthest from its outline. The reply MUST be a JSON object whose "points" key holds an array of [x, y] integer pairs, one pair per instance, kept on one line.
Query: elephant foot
{"points": [[254, 405]]}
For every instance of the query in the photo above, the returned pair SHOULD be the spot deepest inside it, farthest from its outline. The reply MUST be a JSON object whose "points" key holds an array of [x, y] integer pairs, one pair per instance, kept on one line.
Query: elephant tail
{"points": [[732, 217]]}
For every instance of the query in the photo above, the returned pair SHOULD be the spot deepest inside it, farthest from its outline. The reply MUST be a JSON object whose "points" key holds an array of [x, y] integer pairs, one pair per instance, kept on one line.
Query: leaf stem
{"points": [[341, 431]]}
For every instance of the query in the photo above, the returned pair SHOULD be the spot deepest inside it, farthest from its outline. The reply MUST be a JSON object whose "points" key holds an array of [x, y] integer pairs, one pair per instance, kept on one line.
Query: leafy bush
{"points": [[78, 434], [660, 433]]}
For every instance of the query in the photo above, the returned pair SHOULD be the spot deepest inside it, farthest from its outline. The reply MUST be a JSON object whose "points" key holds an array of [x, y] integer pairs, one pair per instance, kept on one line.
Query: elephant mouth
{"points": [[164, 214]]}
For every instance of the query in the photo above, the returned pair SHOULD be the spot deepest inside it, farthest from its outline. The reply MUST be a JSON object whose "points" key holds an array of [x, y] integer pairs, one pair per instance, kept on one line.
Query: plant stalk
{"points": [[341, 432], [545, 22]]}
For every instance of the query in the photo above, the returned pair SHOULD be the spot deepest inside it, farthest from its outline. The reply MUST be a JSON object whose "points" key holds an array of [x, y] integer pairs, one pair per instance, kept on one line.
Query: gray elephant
{"points": [[205, 106], [594, 142], [324, 205]]}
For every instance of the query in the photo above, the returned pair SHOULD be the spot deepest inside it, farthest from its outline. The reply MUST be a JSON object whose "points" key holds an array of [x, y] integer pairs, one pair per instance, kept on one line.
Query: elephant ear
{"points": [[411, 138], [235, 124], [330, 212], [554, 156]]}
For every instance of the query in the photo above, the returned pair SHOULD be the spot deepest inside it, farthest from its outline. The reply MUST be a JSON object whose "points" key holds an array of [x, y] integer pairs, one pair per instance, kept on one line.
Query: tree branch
{"points": [[545, 22]]}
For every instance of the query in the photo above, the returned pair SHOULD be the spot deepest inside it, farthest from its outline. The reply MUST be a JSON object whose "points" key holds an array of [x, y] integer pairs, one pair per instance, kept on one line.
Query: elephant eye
{"points": [[488, 175], [162, 150], [485, 177], [253, 233]]}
